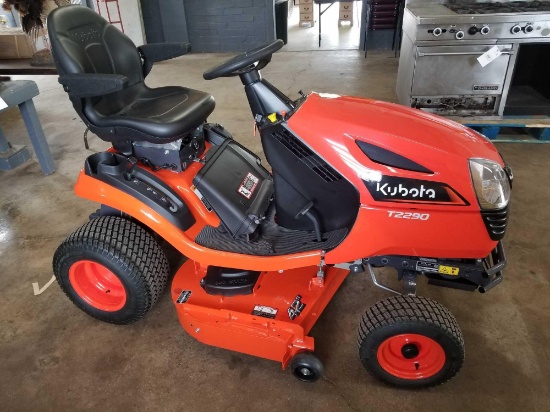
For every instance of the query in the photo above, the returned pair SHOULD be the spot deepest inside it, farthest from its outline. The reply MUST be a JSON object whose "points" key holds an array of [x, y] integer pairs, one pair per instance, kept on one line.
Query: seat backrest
{"points": [[84, 42]]}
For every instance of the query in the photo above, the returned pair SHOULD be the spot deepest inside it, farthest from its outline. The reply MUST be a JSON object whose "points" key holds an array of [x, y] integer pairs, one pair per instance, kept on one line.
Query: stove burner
{"points": [[462, 7]]}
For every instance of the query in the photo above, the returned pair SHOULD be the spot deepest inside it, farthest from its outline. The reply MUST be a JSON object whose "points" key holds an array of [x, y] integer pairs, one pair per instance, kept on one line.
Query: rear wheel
{"points": [[410, 342], [112, 269]]}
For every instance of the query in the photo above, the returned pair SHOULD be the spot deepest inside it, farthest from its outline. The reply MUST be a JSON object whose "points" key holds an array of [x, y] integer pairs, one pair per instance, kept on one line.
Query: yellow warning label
{"points": [[448, 270], [272, 117]]}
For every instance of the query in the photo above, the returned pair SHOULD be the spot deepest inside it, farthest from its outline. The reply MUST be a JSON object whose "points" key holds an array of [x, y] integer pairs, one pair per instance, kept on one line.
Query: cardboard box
{"points": [[14, 44]]}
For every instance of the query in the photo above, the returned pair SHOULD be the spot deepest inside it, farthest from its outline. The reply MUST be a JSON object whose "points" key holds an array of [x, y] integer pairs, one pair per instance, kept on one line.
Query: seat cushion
{"points": [[162, 113]]}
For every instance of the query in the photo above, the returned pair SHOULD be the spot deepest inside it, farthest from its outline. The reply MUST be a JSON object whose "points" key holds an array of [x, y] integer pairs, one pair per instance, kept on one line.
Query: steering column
{"points": [[263, 97]]}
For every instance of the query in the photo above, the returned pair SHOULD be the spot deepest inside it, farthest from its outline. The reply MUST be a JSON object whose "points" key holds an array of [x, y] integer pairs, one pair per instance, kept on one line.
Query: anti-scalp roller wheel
{"points": [[306, 367]]}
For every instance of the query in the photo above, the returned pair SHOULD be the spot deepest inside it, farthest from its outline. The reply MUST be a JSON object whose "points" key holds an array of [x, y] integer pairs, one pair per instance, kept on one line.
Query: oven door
{"points": [[455, 71]]}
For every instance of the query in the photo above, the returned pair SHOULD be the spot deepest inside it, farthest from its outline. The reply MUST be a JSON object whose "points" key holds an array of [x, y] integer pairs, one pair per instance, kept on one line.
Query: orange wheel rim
{"points": [[411, 356], [97, 285]]}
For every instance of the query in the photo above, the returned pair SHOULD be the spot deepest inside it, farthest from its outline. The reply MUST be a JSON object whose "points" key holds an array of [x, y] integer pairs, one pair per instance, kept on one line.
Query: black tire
{"points": [[307, 367], [128, 252], [401, 319]]}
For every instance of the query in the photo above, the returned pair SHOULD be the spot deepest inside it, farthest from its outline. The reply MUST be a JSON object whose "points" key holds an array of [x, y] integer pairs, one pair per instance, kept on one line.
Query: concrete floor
{"points": [[54, 357]]}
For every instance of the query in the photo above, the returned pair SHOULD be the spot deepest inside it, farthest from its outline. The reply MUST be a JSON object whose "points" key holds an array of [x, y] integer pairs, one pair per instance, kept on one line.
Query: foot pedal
{"points": [[229, 282]]}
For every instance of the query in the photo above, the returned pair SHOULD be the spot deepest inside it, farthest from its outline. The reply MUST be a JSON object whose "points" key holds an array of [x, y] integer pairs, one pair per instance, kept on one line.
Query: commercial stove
{"points": [[439, 70]]}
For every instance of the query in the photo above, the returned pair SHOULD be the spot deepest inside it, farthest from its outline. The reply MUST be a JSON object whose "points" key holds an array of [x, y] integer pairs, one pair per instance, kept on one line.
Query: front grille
{"points": [[496, 222], [309, 158]]}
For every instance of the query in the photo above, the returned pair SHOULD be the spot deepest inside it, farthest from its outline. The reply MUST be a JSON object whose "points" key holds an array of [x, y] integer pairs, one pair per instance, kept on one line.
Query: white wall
{"points": [[132, 21]]}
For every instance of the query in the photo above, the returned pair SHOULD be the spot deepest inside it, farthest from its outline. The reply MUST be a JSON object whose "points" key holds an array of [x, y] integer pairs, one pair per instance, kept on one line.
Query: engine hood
{"points": [[332, 124]]}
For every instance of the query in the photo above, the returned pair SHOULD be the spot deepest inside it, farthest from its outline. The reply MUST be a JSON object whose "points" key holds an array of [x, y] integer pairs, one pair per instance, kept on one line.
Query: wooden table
{"points": [[23, 67]]}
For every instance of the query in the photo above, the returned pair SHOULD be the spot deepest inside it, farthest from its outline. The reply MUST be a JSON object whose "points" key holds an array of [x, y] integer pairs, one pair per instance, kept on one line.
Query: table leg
{"points": [[320, 14], [398, 33], [11, 156], [4, 144], [36, 134], [367, 23]]}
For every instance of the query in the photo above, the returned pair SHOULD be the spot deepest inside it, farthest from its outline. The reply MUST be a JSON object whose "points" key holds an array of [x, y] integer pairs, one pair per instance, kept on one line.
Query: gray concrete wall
{"points": [[174, 24], [229, 25], [164, 21], [152, 21]]}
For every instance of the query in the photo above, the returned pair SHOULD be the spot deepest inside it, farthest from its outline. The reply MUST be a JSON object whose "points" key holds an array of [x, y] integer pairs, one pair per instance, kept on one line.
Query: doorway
{"points": [[340, 31]]}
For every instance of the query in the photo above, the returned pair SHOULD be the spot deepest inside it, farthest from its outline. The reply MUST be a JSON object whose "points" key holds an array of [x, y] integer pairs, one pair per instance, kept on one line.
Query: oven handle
{"points": [[422, 54]]}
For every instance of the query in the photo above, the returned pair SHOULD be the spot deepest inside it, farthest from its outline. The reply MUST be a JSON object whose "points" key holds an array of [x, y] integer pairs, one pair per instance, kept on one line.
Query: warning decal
{"points": [[448, 270], [424, 266], [248, 185], [264, 311], [434, 267]]}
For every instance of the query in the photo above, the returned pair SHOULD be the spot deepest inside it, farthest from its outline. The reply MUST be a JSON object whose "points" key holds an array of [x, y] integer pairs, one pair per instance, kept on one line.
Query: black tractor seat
{"points": [[164, 113], [103, 72]]}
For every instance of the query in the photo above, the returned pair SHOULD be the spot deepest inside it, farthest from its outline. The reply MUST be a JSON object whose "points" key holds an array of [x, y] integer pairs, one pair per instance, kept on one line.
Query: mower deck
{"points": [[260, 323]]}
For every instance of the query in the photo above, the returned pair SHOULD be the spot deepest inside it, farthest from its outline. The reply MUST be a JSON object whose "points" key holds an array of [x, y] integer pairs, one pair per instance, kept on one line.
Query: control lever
{"points": [[129, 168], [306, 211]]}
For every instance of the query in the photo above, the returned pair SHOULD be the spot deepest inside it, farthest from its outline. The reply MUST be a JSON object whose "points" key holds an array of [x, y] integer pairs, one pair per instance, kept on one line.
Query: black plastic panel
{"points": [[496, 222], [389, 158], [229, 282], [400, 188], [307, 157], [392, 188], [237, 186], [301, 177], [122, 173], [216, 134]]}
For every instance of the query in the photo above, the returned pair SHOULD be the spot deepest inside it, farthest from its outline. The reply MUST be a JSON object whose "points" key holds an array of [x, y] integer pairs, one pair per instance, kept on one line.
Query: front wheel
{"points": [[410, 342], [112, 269]]}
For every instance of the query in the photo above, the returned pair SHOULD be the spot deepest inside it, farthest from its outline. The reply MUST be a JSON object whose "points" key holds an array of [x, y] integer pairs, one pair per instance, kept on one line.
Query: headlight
{"points": [[491, 184]]}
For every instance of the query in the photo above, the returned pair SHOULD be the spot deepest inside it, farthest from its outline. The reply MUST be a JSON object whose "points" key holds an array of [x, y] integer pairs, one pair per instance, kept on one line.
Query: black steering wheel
{"points": [[245, 62]]}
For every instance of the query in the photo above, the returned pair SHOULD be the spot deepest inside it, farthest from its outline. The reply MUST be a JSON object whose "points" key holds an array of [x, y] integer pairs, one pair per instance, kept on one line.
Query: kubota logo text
{"points": [[393, 188], [396, 191]]}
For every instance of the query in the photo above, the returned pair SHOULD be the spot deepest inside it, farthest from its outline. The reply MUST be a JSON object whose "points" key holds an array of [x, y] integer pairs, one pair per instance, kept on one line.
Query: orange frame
{"points": [[183, 241]]}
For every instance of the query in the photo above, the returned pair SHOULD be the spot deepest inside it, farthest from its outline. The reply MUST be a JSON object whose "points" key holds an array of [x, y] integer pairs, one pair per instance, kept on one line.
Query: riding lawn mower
{"points": [[354, 185]]}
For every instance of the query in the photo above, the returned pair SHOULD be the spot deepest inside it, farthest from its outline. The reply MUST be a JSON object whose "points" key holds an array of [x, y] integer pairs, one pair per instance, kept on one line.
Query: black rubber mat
{"points": [[273, 240]]}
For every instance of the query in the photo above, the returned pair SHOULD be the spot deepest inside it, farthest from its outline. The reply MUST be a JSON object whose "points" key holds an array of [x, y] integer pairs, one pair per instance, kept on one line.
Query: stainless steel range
{"points": [[439, 70]]}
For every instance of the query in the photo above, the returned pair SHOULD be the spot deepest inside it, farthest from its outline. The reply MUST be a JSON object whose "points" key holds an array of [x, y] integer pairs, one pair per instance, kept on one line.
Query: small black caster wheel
{"points": [[306, 367]]}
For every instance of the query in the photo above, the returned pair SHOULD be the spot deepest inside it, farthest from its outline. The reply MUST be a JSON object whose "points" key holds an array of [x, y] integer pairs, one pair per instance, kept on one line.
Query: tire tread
{"points": [[410, 309], [128, 245]]}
